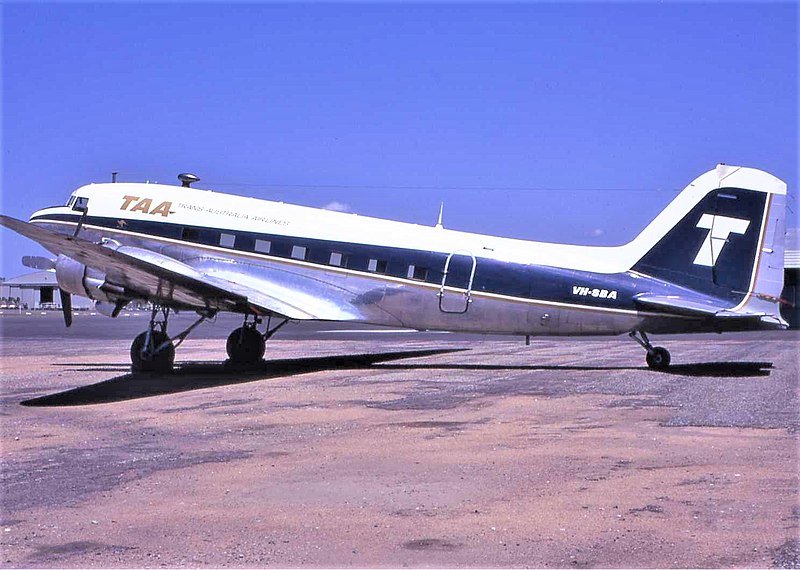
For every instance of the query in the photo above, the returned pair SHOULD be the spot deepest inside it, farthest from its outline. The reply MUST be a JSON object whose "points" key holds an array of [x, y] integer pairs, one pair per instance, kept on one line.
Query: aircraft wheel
{"points": [[658, 358], [161, 361], [245, 346]]}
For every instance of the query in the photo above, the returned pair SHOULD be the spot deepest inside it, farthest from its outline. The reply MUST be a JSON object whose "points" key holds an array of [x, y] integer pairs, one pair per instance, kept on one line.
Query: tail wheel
{"points": [[658, 358], [147, 361], [245, 346]]}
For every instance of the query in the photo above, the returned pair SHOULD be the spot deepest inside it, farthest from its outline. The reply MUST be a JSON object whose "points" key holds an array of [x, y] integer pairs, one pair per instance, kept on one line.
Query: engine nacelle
{"points": [[76, 278]]}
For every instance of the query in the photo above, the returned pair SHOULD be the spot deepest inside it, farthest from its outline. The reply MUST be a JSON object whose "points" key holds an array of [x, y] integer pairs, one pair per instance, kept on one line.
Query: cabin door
{"points": [[455, 294]]}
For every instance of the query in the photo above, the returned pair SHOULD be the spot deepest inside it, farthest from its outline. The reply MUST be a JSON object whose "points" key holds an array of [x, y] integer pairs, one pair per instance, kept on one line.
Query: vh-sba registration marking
{"points": [[596, 293], [712, 260]]}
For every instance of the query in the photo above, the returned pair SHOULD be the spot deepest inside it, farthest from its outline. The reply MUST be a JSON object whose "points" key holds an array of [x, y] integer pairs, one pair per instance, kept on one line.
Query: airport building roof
{"points": [[35, 279]]}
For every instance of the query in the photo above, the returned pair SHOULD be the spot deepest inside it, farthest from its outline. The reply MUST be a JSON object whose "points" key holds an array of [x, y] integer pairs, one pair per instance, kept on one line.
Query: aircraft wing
{"points": [[155, 276]]}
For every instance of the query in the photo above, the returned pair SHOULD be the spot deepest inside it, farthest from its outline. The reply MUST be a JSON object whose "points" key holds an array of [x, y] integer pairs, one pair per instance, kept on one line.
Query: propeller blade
{"points": [[66, 307], [37, 262], [109, 309]]}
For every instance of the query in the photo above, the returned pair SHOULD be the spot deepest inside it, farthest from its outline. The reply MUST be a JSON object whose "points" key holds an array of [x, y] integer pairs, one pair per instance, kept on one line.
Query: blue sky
{"points": [[573, 122]]}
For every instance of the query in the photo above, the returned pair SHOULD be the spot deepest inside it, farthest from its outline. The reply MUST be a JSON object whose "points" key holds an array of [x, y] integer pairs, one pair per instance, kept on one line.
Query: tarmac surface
{"points": [[367, 448]]}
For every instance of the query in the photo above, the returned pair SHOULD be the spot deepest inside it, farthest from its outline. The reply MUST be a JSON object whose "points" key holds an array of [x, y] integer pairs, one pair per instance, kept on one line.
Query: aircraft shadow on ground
{"points": [[715, 369], [199, 375], [721, 369]]}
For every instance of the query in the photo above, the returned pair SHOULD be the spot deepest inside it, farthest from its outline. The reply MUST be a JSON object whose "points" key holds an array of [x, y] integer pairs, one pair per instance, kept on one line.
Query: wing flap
{"points": [[305, 299]]}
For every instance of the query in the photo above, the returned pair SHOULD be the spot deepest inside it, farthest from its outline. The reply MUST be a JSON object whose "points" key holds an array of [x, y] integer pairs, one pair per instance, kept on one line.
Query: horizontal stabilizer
{"points": [[696, 307], [701, 308]]}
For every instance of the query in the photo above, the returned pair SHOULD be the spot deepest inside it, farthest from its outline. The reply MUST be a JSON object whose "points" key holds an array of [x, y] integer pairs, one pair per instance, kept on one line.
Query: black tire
{"points": [[658, 358], [162, 361], [245, 346]]}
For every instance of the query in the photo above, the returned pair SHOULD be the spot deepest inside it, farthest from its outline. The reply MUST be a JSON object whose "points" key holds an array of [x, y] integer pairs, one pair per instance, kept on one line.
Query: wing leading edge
{"points": [[158, 277]]}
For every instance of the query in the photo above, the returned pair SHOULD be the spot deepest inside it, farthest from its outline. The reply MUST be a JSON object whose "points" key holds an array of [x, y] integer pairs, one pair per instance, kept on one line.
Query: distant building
{"points": [[791, 279], [37, 290]]}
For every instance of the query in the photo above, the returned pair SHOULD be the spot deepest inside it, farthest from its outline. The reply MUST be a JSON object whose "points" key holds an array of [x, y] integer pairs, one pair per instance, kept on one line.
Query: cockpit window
{"points": [[71, 201], [81, 204]]}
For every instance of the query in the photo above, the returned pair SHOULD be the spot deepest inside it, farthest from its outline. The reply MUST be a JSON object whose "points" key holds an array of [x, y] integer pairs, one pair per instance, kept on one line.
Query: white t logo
{"points": [[720, 227]]}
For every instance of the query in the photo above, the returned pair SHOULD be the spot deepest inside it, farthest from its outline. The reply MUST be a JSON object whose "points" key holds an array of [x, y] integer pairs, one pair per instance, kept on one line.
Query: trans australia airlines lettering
{"points": [[144, 205], [593, 292]]}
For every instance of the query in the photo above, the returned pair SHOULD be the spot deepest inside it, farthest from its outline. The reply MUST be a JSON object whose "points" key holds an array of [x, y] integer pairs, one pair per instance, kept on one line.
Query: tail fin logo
{"points": [[719, 228]]}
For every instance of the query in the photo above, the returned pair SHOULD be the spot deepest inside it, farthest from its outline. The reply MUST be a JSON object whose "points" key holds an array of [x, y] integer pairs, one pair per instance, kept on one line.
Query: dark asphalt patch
{"points": [[76, 548], [432, 424], [787, 555], [734, 394], [430, 544], [212, 405], [647, 509], [77, 473]]}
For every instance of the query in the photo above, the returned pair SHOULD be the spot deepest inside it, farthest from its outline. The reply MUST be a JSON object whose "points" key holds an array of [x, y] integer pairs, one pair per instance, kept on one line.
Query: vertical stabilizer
{"points": [[727, 240]]}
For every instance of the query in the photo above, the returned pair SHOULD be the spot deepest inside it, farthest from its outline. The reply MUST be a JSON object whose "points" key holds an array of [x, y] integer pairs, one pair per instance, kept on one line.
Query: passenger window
{"points": [[418, 273], [263, 246], [190, 234], [337, 259], [299, 252], [227, 240], [377, 266]]}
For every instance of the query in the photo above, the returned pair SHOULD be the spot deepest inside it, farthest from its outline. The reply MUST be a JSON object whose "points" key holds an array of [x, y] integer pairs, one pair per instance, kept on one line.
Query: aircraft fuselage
{"points": [[378, 271]]}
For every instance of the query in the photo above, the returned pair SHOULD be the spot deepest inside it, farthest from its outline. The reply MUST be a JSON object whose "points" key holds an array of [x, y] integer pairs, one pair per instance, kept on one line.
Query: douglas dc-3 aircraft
{"points": [[712, 260]]}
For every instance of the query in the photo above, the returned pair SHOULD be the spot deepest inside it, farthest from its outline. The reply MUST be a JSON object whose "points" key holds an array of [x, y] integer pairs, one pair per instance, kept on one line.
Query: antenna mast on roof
{"points": [[187, 179]]}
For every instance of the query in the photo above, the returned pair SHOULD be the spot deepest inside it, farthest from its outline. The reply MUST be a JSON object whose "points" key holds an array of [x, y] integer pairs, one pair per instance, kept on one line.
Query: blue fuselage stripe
{"points": [[543, 283]]}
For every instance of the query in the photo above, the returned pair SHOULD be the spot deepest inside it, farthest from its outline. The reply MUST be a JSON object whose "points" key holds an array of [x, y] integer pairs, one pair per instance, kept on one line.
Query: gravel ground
{"points": [[414, 451]]}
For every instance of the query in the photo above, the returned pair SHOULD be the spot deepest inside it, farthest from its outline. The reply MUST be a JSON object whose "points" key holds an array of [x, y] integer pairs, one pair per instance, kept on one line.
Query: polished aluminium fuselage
{"points": [[361, 269]]}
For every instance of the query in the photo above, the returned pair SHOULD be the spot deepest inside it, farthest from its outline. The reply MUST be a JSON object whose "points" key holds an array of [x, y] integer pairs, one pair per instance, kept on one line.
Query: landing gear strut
{"points": [[657, 356], [153, 350], [246, 345]]}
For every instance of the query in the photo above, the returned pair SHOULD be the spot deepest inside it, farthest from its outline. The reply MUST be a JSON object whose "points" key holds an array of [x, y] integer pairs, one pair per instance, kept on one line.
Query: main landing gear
{"points": [[246, 345], [153, 350], [657, 356]]}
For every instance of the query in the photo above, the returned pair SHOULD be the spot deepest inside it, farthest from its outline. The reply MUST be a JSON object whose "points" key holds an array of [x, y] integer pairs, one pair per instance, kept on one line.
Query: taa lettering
{"points": [[145, 206]]}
